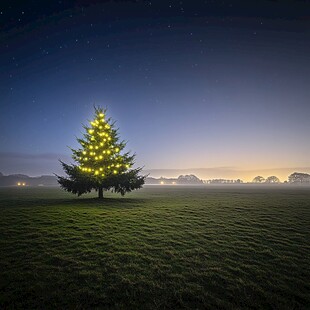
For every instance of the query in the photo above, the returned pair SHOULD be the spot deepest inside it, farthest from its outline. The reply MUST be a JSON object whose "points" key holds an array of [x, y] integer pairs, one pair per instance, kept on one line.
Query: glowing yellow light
{"points": [[104, 139], [92, 138], [84, 153], [100, 169], [89, 170], [96, 157], [96, 172], [109, 138], [90, 131], [100, 127], [114, 171], [117, 166], [162, 182], [96, 147], [102, 120], [18, 183], [91, 147], [107, 126], [108, 151], [101, 115], [100, 156], [103, 174], [117, 149], [127, 166], [101, 143], [24, 184]]}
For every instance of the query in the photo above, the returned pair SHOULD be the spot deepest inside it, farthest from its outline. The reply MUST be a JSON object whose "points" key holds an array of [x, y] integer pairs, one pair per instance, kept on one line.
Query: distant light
{"points": [[162, 182], [173, 183], [24, 184], [19, 184]]}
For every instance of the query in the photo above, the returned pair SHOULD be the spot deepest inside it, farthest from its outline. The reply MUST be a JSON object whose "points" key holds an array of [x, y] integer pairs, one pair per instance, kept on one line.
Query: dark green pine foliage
{"points": [[101, 162]]}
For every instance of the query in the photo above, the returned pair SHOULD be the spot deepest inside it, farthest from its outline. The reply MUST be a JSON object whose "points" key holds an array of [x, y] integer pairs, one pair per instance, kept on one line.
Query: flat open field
{"points": [[158, 248]]}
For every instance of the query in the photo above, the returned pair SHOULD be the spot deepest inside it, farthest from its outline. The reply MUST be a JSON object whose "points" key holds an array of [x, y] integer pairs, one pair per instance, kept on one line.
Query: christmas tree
{"points": [[101, 162]]}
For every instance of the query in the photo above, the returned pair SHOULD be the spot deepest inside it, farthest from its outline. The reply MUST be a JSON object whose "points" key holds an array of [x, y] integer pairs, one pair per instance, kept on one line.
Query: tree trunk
{"points": [[100, 193]]}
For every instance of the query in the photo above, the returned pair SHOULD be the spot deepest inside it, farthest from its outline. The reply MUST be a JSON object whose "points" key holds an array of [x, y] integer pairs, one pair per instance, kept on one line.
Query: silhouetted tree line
{"points": [[294, 178]]}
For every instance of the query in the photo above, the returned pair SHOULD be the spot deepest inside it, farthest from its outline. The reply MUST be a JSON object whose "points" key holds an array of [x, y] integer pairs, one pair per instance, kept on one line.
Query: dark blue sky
{"points": [[190, 83]]}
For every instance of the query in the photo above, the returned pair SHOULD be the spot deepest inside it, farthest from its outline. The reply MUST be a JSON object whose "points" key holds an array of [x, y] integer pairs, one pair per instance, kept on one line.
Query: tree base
{"points": [[100, 193]]}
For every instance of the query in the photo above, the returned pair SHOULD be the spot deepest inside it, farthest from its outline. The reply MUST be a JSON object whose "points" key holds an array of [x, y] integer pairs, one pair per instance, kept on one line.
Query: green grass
{"points": [[158, 248]]}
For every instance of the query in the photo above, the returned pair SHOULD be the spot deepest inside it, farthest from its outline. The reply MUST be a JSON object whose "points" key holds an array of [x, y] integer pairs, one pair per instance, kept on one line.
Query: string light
{"points": [[114, 163]]}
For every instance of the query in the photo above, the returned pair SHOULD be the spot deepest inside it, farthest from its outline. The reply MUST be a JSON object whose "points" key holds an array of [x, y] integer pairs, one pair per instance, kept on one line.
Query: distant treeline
{"points": [[182, 179], [25, 180], [294, 178], [190, 179]]}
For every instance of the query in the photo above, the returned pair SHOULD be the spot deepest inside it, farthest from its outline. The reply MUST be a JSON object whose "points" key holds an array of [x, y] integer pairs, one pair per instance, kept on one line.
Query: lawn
{"points": [[158, 248]]}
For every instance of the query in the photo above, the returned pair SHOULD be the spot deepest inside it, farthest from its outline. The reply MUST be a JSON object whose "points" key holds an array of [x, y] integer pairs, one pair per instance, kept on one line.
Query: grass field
{"points": [[158, 248]]}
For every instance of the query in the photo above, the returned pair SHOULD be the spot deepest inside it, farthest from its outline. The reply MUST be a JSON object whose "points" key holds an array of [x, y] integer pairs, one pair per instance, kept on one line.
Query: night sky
{"points": [[192, 84]]}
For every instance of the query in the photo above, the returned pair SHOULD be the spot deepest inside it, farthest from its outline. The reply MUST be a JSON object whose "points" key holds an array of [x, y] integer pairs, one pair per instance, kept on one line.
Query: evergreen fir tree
{"points": [[101, 162]]}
